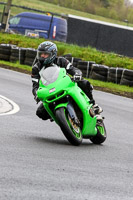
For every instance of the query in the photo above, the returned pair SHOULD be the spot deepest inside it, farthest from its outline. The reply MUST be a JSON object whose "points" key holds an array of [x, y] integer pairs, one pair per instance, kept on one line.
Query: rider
{"points": [[47, 56]]}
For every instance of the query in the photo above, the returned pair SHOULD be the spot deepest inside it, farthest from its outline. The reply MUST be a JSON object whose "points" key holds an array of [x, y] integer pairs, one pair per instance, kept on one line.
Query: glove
{"points": [[36, 99], [77, 77]]}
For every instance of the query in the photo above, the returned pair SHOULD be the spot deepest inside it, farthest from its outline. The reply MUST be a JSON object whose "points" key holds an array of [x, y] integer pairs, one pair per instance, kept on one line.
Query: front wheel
{"points": [[101, 135], [70, 130]]}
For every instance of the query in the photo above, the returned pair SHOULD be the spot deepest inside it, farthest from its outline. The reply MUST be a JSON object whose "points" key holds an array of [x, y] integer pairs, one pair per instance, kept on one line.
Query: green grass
{"points": [[15, 65], [44, 6], [111, 86], [85, 53]]}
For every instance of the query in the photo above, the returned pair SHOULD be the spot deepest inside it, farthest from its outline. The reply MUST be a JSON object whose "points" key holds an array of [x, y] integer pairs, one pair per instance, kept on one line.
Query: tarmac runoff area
{"points": [[7, 106]]}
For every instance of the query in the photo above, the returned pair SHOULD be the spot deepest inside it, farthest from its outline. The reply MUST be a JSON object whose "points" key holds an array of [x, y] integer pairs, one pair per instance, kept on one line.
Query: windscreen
{"points": [[49, 75], [14, 20]]}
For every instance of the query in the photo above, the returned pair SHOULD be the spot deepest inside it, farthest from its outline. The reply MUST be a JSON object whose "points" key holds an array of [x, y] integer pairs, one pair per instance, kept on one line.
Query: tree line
{"points": [[114, 9]]}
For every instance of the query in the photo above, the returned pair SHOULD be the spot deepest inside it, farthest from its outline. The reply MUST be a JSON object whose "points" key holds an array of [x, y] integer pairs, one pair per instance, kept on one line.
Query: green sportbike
{"points": [[69, 107]]}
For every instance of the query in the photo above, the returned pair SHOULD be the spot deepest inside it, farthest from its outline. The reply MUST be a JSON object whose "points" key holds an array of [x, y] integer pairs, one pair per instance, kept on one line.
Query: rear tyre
{"points": [[101, 134], [70, 130]]}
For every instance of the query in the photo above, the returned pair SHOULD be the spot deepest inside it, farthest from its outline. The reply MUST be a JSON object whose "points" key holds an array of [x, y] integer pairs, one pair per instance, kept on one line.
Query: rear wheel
{"points": [[70, 129], [101, 135]]}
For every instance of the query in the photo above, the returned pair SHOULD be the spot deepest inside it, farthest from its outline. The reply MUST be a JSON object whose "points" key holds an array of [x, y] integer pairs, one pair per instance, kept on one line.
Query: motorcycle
{"points": [[69, 107]]}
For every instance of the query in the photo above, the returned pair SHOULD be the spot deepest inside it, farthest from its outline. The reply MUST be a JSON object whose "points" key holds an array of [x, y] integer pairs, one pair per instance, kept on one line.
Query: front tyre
{"points": [[70, 130], [101, 135]]}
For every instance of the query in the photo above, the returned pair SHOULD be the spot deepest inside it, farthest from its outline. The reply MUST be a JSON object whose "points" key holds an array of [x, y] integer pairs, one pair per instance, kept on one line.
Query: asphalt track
{"points": [[37, 162]]}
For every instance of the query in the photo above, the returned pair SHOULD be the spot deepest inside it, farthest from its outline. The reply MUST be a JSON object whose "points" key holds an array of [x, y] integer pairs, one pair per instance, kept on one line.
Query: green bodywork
{"points": [[63, 86]]}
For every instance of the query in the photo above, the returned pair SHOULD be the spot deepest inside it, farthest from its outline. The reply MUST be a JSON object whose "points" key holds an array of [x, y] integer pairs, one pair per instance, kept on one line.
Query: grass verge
{"points": [[85, 53], [98, 85]]}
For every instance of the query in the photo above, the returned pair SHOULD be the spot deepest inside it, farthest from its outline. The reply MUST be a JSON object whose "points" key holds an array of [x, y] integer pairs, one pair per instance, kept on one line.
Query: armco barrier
{"points": [[89, 68]]}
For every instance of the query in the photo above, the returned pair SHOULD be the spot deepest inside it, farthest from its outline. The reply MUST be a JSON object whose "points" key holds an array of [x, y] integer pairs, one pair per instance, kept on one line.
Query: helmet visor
{"points": [[42, 55]]}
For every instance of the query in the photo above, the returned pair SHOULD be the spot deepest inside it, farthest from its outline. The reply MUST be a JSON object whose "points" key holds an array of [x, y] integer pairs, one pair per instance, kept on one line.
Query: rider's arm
{"points": [[63, 62], [35, 79]]}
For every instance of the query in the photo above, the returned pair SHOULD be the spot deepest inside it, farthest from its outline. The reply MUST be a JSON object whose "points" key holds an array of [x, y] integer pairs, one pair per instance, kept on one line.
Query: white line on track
{"points": [[7, 106]]}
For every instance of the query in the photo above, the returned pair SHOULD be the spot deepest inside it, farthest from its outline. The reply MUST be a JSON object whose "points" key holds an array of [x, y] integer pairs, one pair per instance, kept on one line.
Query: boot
{"points": [[97, 109]]}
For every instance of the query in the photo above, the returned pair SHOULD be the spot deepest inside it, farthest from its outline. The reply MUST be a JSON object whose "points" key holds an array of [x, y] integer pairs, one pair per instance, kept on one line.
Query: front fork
{"points": [[70, 110], [72, 114]]}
